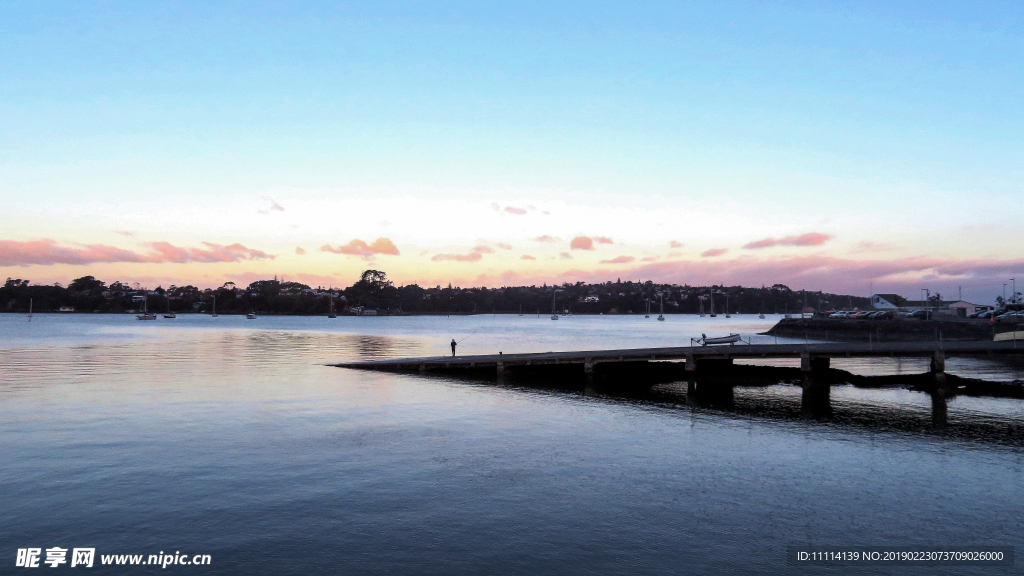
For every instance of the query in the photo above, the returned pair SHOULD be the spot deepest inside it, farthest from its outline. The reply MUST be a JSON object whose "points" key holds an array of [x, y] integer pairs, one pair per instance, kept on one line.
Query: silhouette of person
{"points": [[453, 346]]}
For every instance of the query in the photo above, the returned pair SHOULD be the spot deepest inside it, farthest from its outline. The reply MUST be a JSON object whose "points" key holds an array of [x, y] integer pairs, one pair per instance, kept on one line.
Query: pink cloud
{"points": [[565, 256], [504, 246], [546, 238], [809, 239], [527, 257], [649, 259], [124, 232], [674, 244], [582, 243], [46, 252], [603, 240], [713, 252], [867, 246], [274, 206], [359, 248], [474, 255], [619, 260], [514, 210], [299, 250]]}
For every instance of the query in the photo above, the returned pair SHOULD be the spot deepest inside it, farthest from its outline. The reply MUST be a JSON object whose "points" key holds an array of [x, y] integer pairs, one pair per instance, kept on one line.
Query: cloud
{"points": [[713, 252], [546, 213], [212, 253], [514, 210], [565, 256], [603, 240], [503, 246], [274, 206], [546, 238], [299, 250], [46, 252], [867, 246], [124, 232], [359, 248], [809, 239], [474, 255], [649, 259], [527, 257], [582, 243], [674, 244], [619, 260]]}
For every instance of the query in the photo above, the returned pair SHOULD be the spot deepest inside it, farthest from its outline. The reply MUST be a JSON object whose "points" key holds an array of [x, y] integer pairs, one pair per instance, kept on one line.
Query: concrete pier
{"points": [[709, 371], [815, 401], [940, 390]]}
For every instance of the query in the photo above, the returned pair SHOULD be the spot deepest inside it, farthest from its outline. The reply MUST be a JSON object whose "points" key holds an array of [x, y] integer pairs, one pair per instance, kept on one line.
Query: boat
{"points": [[520, 309], [554, 312], [711, 296], [727, 315], [661, 313], [730, 339], [701, 307], [169, 313], [213, 313], [146, 315], [761, 315], [29, 309], [332, 313], [648, 313], [251, 315]]}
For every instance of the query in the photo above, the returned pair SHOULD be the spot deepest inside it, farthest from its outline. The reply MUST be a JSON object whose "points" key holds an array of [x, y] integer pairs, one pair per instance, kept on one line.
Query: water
{"points": [[230, 437]]}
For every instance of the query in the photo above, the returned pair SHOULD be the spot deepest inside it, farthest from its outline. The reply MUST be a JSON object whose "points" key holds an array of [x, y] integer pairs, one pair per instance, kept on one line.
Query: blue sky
{"points": [[893, 124]]}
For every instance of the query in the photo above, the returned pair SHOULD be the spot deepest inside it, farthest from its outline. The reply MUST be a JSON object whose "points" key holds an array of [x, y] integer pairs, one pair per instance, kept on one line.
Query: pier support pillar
{"points": [[588, 366], [815, 402], [423, 369], [500, 368], [939, 390]]}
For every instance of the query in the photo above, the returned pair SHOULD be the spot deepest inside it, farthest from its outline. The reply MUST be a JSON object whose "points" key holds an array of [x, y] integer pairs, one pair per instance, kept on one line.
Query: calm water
{"points": [[230, 437]]}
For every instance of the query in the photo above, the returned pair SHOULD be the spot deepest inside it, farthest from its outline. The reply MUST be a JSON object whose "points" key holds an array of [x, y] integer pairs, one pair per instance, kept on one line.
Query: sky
{"points": [[848, 147]]}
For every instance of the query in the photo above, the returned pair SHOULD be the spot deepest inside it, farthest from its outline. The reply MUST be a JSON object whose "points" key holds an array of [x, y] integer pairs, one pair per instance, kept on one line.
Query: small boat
{"points": [[520, 309], [730, 339], [701, 307], [727, 315], [213, 313], [251, 315], [648, 313], [146, 315], [554, 311], [711, 296], [169, 313], [29, 309], [661, 313], [332, 313]]}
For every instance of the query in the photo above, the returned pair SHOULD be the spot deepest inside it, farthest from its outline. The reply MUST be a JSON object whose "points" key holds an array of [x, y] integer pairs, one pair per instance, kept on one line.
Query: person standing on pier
{"points": [[453, 346]]}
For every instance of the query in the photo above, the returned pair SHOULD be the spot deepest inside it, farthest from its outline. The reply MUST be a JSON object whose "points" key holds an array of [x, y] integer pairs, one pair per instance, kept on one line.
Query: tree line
{"points": [[375, 292]]}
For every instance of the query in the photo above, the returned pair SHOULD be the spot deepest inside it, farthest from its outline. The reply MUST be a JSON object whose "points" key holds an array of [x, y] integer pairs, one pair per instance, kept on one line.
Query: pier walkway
{"points": [[708, 370], [587, 360]]}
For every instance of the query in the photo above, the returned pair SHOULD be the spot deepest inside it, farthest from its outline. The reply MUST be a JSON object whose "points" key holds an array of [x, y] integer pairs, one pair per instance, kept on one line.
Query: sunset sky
{"points": [[842, 146]]}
